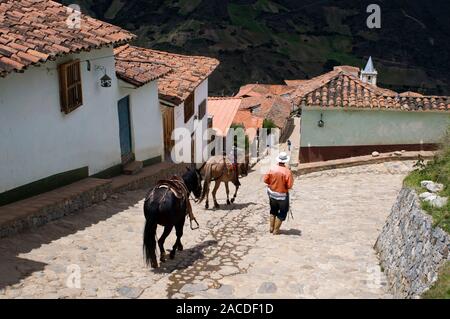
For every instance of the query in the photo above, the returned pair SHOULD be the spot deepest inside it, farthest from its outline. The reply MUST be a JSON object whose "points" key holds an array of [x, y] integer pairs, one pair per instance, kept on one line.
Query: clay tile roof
{"points": [[187, 72], [272, 107], [251, 123], [294, 82], [348, 68], [223, 111], [138, 72], [340, 88], [411, 94], [34, 31], [254, 90]]}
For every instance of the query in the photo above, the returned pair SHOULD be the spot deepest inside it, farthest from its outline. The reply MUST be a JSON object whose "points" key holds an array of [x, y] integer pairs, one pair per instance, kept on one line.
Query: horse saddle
{"points": [[229, 166], [175, 185]]}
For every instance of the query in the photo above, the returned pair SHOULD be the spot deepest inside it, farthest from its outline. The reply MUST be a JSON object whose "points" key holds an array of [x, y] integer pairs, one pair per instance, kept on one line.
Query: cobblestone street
{"points": [[325, 251]]}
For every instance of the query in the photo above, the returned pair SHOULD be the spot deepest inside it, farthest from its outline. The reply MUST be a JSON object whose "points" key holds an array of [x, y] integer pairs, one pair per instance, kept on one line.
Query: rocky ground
{"points": [[324, 251]]}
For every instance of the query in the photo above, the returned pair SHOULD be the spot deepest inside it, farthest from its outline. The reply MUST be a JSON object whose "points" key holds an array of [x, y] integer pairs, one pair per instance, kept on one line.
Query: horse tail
{"points": [[208, 168], [149, 243]]}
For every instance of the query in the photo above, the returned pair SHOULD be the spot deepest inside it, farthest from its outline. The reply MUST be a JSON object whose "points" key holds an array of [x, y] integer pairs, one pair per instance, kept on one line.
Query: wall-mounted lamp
{"points": [[105, 81], [321, 123]]}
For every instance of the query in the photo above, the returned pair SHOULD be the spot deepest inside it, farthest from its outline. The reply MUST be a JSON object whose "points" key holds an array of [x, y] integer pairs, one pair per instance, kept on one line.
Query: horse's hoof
{"points": [[228, 202], [232, 200], [172, 254], [154, 264], [206, 206], [216, 206], [180, 247], [162, 258]]}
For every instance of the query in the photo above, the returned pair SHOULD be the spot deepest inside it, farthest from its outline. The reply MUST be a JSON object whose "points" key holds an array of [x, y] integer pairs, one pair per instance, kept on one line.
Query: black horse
{"points": [[163, 207]]}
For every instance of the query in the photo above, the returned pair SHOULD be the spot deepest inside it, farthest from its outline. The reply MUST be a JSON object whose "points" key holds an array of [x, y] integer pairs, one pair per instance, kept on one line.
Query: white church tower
{"points": [[369, 74]]}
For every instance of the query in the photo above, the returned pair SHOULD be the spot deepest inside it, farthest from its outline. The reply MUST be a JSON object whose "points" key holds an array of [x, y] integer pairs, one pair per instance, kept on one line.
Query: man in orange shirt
{"points": [[279, 181]]}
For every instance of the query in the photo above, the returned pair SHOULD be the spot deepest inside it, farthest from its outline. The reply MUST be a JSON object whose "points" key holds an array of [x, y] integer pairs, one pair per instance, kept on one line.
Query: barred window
{"points": [[70, 86]]}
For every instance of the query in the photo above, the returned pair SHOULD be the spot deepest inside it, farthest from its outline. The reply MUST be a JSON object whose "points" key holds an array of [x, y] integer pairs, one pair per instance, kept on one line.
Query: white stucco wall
{"points": [[37, 140], [370, 127], [146, 119], [200, 94]]}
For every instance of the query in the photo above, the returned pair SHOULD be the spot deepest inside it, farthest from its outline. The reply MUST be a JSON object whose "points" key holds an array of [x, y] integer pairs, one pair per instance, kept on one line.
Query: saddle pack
{"points": [[179, 189]]}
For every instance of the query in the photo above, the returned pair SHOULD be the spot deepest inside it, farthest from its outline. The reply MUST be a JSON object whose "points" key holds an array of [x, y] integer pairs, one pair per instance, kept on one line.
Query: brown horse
{"points": [[220, 170]]}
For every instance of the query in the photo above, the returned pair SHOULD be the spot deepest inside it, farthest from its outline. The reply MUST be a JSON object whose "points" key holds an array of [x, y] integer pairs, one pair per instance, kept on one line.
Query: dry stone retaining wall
{"points": [[411, 250]]}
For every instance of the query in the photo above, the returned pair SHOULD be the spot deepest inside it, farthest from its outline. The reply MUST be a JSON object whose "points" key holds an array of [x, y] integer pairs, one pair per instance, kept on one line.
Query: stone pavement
{"points": [[326, 251]]}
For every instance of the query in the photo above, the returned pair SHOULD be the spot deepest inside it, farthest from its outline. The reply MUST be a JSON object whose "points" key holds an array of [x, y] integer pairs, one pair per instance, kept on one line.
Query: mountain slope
{"points": [[267, 41]]}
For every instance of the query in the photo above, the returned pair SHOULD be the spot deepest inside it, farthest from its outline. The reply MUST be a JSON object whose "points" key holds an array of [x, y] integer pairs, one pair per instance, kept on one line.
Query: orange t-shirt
{"points": [[279, 179]]}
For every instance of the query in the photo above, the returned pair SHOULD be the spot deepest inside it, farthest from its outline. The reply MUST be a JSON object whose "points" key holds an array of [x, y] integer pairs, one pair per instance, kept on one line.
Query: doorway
{"points": [[168, 127], [125, 130]]}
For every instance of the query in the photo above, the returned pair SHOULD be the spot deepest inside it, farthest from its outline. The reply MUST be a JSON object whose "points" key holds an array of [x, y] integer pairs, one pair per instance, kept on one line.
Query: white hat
{"points": [[283, 158]]}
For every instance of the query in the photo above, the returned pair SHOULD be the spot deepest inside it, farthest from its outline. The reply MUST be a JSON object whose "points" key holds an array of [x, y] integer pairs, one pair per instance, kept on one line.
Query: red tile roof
{"points": [[411, 94], [295, 82], [339, 88], [254, 90], [272, 107], [349, 69], [223, 111], [34, 31], [188, 72], [137, 71], [251, 123]]}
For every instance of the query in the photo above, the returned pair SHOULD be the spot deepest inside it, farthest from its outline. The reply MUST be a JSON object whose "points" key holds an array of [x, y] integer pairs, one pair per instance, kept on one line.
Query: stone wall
{"points": [[411, 251], [39, 210]]}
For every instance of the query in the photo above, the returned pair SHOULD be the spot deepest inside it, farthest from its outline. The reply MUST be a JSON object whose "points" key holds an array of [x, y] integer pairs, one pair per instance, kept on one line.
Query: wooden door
{"points": [[168, 127]]}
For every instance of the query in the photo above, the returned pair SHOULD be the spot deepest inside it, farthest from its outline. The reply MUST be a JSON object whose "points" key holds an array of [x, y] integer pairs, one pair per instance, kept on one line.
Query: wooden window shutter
{"points": [[202, 110], [189, 108], [70, 86]]}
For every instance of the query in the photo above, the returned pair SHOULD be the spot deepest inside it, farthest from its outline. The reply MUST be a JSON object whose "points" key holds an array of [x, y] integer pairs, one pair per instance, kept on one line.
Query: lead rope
{"points": [[290, 210], [189, 206], [290, 213], [191, 214]]}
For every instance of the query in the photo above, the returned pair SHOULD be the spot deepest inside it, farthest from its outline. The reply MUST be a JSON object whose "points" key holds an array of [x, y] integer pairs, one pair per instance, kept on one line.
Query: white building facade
{"points": [[196, 125], [42, 144]]}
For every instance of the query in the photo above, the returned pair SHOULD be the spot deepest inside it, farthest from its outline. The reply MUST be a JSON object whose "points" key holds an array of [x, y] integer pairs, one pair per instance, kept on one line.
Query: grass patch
{"points": [[437, 170], [246, 17], [441, 289]]}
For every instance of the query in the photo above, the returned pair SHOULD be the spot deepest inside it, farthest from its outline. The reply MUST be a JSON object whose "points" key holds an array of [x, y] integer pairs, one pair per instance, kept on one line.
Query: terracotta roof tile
{"points": [[340, 88], [188, 72], [33, 31], [137, 71], [254, 90], [411, 94], [223, 111], [251, 123], [294, 82], [272, 107]]}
